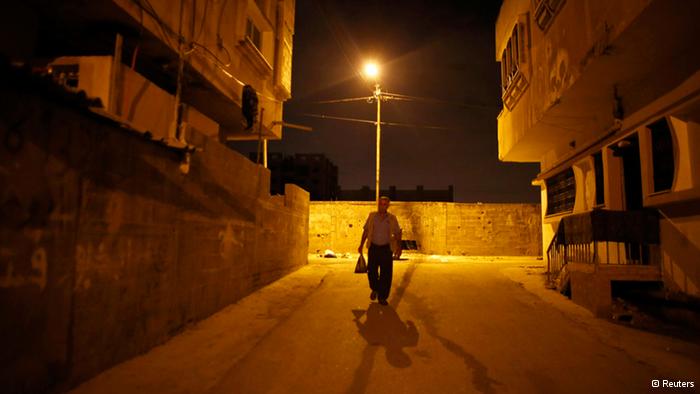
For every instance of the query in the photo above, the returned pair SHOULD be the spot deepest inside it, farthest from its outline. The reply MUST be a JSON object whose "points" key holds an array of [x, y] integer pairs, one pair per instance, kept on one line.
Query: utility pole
{"points": [[378, 97]]}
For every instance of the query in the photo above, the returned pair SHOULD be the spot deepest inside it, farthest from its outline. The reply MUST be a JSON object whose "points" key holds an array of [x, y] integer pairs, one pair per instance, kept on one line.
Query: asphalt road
{"points": [[454, 326]]}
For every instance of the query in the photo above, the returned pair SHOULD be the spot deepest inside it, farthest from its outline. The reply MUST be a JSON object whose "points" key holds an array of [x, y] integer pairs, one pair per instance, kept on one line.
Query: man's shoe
{"points": [[383, 302], [373, 295]]}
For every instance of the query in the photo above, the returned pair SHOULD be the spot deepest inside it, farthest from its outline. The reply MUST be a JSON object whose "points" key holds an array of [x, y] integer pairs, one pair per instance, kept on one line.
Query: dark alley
{"points": [[186, 186]]}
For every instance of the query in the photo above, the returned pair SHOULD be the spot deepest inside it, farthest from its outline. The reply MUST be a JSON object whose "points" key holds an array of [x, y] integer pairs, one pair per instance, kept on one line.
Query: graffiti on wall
{"points": [[560, 76], [25, 205], [228, 241], [38, 261], [37, 277]]}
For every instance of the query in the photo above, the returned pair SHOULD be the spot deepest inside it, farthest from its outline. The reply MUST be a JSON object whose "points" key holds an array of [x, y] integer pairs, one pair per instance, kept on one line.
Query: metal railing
{"points": [[604, 237]]}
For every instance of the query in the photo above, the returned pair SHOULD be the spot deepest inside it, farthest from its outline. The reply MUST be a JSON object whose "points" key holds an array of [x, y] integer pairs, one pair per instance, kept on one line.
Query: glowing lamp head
{"points": [[371, 70]]}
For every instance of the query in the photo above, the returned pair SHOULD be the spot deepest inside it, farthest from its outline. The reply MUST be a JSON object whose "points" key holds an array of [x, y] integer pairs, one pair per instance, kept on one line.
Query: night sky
{"points": [[441, 50]]}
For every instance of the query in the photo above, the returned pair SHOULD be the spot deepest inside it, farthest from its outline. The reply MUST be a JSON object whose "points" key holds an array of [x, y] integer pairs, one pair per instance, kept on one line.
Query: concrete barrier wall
{"points": [[107, 248], [438, 227]]}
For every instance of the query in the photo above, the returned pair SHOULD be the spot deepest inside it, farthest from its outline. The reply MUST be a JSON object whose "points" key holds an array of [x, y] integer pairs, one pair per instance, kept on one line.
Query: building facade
{"points": [[606, 97], [166, 67]]}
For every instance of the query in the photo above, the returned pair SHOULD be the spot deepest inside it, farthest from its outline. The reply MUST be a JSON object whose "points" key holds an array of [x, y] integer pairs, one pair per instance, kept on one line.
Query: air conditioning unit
{"points": [[128, 96]]}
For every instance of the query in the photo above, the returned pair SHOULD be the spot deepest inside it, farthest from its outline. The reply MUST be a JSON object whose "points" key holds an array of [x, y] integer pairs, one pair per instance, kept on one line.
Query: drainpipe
{"points": [[175, 132]]}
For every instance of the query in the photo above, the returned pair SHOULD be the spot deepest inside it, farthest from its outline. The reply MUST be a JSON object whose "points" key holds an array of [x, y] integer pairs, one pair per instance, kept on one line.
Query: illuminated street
{"points": [[453, 325], [185, 186]]}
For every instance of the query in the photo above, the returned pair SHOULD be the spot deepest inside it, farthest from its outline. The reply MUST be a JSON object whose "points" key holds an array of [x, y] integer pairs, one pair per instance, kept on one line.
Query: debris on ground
{"points": [[329, 254], [658, 317]]}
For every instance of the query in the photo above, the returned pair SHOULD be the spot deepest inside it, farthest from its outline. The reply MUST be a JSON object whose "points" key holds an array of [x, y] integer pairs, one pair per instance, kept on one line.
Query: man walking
{"points": [[384, 242]]}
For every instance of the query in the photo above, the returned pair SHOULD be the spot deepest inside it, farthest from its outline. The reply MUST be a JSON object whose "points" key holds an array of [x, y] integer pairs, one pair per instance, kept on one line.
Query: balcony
{"points": [[593, 68], [592, 249], [90, 29]]}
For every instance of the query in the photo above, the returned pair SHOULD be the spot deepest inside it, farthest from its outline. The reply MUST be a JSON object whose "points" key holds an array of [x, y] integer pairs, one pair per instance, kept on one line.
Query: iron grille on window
{"points": [[253, 33], [545, 11], [662, 155], [513, 81], [510, 61], [561, 192]]}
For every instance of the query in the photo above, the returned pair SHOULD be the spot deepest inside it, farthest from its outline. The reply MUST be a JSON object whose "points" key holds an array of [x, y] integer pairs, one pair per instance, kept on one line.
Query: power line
{"points": [[416, 126], [344, 100], [399, 97], [204, 18], [195, 45], [340, 118], [374, 122], [337, 29], [146, 6], [404, 97]]}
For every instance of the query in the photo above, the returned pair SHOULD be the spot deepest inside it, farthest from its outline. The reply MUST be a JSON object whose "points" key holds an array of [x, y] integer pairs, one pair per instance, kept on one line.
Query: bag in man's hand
{"points": [[361, 266]]}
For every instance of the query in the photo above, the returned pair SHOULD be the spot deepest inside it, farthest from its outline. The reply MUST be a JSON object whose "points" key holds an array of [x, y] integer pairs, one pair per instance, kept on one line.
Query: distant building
{"points": [[417, 194], [605, 96], [313, 172]]}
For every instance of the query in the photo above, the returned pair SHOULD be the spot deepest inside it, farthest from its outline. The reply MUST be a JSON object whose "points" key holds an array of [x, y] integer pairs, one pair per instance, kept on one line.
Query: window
{"points": [[545, 11], [510, 61], [599, 179], [262, 6], [253, 34], [662, 155], [513, 59], [561, 192]]}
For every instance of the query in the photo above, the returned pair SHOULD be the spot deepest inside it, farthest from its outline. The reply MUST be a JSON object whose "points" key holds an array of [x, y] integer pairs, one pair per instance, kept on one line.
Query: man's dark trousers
{"points": [[380, 266]]}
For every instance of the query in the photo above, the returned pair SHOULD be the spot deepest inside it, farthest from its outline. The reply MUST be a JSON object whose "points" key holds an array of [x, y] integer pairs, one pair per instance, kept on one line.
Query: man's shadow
{"points": [[382, 326]]}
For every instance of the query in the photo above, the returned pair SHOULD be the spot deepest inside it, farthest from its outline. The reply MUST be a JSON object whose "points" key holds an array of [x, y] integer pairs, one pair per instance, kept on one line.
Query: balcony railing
{"points": [[605, 237], [517, 84]]}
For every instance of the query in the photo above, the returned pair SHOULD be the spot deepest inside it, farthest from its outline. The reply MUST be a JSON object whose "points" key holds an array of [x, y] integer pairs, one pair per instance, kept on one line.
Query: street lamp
{"points": [[371, 71]]}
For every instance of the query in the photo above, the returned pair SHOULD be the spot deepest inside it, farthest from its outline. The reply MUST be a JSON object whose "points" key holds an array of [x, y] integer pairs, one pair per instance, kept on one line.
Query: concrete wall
{"points": [[438, 227], [680, 247], [107, 248]]}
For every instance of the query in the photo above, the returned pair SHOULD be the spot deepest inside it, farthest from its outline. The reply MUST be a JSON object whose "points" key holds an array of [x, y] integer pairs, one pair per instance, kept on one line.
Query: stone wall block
{"points": [[439, 228]]}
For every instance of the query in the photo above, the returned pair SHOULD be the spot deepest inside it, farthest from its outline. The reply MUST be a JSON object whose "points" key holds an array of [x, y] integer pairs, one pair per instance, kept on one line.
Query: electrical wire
{"points": [[345, 100], [134, 55], [196, 45], [374, 122], [164, 28], [218, 22], [398, 97], [146, 6], [416, 126], [339, 34], [204, 18], [404, 97], [341, 118]]}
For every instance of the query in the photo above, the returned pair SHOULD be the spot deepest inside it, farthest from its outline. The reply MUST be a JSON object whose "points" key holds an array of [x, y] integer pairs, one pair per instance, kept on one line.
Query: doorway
{"points": [[628, 150], [631, 172]]}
